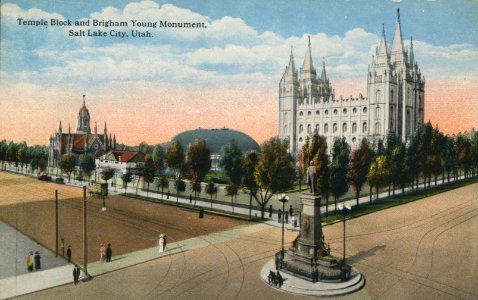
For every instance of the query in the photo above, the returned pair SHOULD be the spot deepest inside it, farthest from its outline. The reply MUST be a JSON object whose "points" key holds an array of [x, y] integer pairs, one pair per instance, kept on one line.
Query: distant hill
{"points": [[216, 139]]}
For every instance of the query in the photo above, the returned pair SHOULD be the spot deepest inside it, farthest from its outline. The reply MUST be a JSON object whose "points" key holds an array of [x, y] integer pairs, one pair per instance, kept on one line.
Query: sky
{"points": [[225, 75]]}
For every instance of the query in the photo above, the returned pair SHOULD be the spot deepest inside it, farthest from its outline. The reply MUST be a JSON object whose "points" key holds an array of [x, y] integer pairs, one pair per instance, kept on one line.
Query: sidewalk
{"points": [[37, 281]]}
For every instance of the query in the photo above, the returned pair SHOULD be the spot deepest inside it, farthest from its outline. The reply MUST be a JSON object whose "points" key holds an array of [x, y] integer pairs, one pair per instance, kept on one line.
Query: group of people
{"points": [[275, 279], [105, 253], [33, 261]]}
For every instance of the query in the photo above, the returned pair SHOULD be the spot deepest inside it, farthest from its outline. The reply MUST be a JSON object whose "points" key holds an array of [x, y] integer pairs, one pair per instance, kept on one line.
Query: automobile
{"points": [[60, 180], [44, 177]]}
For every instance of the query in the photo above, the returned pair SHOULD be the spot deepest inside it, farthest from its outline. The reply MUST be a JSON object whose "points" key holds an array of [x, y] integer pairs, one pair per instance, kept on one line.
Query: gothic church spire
{"points": [[397, 50], [308, 71]]}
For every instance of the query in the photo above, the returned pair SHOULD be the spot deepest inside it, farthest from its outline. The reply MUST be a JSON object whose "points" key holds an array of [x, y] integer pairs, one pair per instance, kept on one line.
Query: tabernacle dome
{"points": [[217, 139]]}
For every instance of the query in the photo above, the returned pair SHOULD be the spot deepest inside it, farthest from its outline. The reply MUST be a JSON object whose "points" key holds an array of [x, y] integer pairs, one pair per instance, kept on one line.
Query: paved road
{"points": [[426, 249]]}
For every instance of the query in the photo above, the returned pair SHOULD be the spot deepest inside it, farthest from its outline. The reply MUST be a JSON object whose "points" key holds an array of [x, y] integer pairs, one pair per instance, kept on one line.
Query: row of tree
{"points": [[429, 154], [22, 155]]}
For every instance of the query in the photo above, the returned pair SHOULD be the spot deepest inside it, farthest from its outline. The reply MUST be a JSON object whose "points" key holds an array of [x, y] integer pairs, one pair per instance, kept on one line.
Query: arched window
{"points": [[344, 127], [301, 128], [377, 128], [354, 110], [408, 123], [377, 112], [364, 127], [378, 96], [285, 128], [317, 112], [317, 128], [326, 128], [334, 127], [301, 114], [354, 140], [309, 113], [326, 112], [364, 110], [309, 129], [300, 140], [335, 111], [354, 127], [344, 111]]}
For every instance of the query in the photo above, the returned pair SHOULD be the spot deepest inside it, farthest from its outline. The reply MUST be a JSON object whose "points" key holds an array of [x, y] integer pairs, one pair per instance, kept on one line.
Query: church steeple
{"points": [[323, 76], [397, 51], [83, 120], [411, 57], [308, 71], [290, 72]]}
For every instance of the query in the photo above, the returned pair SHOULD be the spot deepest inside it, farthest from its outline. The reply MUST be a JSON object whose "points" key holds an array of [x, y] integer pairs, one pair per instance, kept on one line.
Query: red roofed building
{"points": [[122, 161], [80, 142]]}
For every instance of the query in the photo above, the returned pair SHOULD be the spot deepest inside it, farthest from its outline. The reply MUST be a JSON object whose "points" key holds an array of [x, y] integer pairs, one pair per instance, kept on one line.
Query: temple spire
{"points": [[308, 70], [411, 56], [397, 44], [84, 100], [323, 76], [291, 67]]}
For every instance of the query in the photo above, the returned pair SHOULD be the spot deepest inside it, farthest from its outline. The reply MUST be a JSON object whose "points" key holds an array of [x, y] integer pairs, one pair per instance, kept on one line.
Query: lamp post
{"points": [[282, 198], [344, 209]]}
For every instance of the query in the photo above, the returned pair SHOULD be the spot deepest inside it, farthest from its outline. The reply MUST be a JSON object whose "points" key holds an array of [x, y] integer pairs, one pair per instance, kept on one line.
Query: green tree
{"points": [[3, 152], [338, 170], [474, 151], [232, 190], [163, 183], [249, 164], [126, 178], [379, 173], [275, 171], [67, 164], [463, 148], [210, 189], [359, 165], [231, 162], [87, 164], [106, 174], [158, 159], [198, 163], [145, 148], [175, 157], [448, 157], [148, 172], [22, 155], [180, 187]]}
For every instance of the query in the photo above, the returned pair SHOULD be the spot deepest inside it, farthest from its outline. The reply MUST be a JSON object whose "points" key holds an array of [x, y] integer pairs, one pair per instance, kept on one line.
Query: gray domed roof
{"points": [[216, 139]]}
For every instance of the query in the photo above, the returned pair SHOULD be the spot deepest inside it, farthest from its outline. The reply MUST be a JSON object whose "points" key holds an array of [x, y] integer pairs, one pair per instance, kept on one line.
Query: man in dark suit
{"points": [[109, 253]]}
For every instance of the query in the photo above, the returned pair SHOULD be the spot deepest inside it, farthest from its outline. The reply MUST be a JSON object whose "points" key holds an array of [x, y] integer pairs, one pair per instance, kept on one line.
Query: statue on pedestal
{"points": [[311, 178]]}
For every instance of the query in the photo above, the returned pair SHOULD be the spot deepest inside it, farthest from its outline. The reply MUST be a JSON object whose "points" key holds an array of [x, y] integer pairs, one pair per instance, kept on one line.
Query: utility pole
{"points": [[85, 243], [56, 223]]}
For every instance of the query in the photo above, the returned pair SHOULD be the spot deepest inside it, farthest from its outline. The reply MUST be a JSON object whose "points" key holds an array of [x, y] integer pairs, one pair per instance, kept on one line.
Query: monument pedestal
{"points": [[309, 258]]}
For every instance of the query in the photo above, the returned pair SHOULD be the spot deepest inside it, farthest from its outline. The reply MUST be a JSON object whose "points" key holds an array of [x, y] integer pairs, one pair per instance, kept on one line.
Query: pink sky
{"points": [[155, 113]]}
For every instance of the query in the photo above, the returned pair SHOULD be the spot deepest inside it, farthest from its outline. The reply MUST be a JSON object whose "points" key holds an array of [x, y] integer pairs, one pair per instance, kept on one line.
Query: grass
{"points": [[378, 205]]}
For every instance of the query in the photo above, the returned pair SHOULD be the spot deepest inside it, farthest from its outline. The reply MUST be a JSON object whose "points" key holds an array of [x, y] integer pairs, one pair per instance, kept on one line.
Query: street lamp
{"points": [[282, 198], [344, 208]]}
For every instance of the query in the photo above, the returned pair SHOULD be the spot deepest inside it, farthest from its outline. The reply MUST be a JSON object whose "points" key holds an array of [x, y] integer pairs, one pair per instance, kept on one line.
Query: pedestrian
{"points": [[270, 211], [37, 261], [190, 198], [279, 279], [68, 253], [102, 253], [271, 278], [167, 195], [30, 261], [109, 253], [161, 244], [279, 215], [286, 216], [290, 210], [76, 274]]}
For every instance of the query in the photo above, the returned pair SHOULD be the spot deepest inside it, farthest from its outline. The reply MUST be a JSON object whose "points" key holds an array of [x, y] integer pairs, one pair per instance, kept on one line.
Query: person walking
{"points": [[68, 253], [37, 261], [270, 211], [161, 244], [102, 253], [280, 280], [109, 253], [76, 274], [279, 215], [286, 216], [30, 261]]}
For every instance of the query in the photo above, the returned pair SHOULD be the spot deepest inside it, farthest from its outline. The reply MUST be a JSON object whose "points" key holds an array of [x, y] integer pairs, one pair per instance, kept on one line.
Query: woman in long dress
{"points": [[102, 253], [161, 244]]}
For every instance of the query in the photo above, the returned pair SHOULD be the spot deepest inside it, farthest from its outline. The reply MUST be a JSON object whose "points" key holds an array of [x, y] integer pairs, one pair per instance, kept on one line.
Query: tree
{"points": [[474, 151], [107, 173], [275, 171], [158, 159], [379, 173], [67, 164], [196, 189], [145, 148], [198, 163], [163, 182], [210, 189], [22, 154], [448, 157], [359, 165], [87, 164], [249, 164], [231, 162], [338, 170], [148, 172], [3, 152], [232, 190], [180, 187], [175, 157], [126, 178], [463, 153]]}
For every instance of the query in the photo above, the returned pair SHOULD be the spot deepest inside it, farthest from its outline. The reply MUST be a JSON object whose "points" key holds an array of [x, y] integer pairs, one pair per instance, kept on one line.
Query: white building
{"points": [[394, 102], [121, 161]]}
